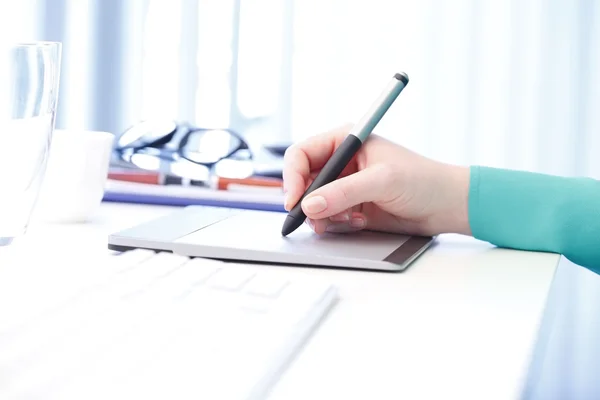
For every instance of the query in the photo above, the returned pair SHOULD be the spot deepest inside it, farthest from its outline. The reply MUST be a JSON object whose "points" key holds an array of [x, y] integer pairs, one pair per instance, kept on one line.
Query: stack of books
{"points": [[255, 193]]}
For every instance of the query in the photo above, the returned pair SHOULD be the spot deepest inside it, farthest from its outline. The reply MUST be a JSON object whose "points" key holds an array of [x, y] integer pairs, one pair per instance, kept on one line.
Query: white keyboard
{"points": [[162, 326]]}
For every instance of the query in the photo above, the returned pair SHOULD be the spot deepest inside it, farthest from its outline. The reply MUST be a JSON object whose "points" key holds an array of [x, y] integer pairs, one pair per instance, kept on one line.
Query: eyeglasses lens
{"points": [[209, 146], [146, 133]]}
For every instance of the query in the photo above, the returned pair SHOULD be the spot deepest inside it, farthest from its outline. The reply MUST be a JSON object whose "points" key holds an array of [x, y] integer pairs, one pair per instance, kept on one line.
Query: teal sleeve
{"points": [[537, 212]]}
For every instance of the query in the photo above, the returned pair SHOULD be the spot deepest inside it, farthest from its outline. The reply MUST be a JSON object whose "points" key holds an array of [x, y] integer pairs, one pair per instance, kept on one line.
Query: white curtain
{"points": [[508, 83], [504, 83]]}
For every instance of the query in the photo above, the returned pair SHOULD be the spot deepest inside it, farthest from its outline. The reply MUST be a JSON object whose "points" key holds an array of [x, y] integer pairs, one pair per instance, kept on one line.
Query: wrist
{"points": [[453, 216]]}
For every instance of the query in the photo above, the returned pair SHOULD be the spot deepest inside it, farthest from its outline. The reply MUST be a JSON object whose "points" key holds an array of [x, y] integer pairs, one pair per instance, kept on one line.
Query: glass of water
{"points": [[29, 80]]}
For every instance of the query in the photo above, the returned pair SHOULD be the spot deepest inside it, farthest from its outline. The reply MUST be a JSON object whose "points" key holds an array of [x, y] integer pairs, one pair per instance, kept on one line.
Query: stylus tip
{"points": [[290, 225]]}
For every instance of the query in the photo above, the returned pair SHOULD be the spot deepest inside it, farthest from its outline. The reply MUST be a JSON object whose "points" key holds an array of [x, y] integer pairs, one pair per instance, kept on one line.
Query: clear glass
{"points": [[29, 80]]}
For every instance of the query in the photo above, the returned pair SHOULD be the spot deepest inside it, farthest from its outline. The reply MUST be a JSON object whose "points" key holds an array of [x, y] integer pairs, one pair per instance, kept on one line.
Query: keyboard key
{"points": [[144, 273], [256, 304], [183, 279], [266, 286], [231, 278]]}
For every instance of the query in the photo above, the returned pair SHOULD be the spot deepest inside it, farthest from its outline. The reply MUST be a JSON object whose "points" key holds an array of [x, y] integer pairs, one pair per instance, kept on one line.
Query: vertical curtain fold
{"points": [[112, 64]]}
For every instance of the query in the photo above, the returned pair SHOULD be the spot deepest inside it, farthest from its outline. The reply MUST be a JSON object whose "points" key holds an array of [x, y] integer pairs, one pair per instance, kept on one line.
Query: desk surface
{"points": [[460, 323]]}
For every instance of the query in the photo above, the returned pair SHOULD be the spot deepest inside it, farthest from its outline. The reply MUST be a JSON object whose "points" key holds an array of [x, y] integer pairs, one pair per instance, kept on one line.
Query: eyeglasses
{"points": [[172, 147]]}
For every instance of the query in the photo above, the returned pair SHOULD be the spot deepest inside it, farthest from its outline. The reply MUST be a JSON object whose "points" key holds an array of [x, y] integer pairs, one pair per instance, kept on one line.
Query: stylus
{"points": [[344, 153]]}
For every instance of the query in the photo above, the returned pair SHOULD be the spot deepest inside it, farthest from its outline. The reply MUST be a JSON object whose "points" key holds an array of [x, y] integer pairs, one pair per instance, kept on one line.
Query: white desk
{"points": [[459, 324]]}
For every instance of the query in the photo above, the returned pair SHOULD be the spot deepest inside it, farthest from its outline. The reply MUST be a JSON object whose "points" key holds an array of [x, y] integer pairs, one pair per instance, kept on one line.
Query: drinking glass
{"points": [[29, 79]]}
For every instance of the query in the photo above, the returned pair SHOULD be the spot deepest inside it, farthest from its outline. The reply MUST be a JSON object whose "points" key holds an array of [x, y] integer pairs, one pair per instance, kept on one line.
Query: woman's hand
{"points": [[385, 187]]}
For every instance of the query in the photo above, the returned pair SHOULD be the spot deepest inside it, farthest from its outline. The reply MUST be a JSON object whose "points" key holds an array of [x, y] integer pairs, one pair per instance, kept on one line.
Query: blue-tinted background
{"points": [[510, 83]]}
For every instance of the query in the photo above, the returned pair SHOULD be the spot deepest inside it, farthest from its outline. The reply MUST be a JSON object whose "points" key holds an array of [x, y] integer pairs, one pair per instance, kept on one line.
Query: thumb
{"points": [[370, 184]]}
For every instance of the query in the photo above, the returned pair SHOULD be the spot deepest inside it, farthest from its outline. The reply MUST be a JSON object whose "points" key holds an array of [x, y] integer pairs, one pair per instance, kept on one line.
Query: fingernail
{"points": [[357, 223], [286, 201], [315, 204], [340, 218]]}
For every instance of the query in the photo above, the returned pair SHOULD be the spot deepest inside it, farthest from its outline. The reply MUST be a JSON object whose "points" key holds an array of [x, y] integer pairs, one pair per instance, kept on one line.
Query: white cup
{"points": [[76, 175]]}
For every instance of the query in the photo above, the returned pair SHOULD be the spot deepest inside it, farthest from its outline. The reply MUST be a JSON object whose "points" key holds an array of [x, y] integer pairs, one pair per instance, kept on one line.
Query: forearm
{"points": [[529, 211]]}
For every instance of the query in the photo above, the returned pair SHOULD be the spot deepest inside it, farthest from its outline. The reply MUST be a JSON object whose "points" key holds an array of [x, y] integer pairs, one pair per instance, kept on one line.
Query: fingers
{"points": [[350, 222], [371, 184], [293, 184], [302, 158]]}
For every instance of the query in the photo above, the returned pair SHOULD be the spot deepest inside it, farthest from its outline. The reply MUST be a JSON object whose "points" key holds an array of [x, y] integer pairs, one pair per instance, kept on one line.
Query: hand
{"points": [[385, 187]]}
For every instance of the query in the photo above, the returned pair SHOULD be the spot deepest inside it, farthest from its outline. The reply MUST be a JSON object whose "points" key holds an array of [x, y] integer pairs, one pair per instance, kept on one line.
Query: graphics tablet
{"points": [[255, 236]]}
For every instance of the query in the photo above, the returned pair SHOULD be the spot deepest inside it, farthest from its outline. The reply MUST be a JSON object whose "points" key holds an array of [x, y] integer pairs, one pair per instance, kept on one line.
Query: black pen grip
{"points": [[332, 169]]}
